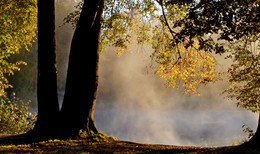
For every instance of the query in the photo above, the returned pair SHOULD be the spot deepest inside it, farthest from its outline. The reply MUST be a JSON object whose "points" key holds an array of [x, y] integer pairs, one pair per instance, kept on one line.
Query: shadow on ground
{"points": [[102, 144]]}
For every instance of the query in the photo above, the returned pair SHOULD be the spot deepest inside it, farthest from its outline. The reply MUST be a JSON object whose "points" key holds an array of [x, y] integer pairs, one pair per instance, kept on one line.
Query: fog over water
{"points": [[134, 104]]}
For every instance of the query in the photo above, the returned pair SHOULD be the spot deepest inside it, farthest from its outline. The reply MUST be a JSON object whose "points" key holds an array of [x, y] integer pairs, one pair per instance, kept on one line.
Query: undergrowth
{"points": [[15, 117], [59, 146]]}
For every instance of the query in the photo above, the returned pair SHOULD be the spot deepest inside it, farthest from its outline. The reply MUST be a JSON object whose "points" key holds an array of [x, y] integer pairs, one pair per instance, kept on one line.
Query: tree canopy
{"points": [[168, 26], [18, 20], [244, 73], [231, 19], [182, 34]]}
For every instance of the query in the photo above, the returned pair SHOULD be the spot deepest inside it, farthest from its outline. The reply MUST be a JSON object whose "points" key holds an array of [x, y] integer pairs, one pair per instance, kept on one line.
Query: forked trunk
{"points": [[48, 106], [82, 77]]}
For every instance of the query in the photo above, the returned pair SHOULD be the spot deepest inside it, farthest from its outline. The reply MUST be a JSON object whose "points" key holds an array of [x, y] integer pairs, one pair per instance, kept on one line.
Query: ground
{"points": [[104, 144]]}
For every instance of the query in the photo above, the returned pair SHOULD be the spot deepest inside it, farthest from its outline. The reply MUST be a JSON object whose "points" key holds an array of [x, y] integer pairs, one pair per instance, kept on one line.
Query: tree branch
{"points": [[168, 26], [165, 18]]}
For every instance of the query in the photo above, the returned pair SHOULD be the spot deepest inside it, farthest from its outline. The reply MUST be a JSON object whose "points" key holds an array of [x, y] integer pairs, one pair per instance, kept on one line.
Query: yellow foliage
{"points": [[17, 29], [119, 51], [195, 67]]}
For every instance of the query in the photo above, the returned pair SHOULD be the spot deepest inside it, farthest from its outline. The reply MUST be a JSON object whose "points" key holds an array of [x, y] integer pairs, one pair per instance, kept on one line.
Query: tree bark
{"points": [[82, 77], [48, 106]]}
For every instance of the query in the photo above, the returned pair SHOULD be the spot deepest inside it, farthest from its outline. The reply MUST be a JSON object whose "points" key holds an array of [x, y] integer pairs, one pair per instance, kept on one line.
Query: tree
{"points": [[48, 106], [244, 78], [237, 24], [81, 88], [17, 30]]}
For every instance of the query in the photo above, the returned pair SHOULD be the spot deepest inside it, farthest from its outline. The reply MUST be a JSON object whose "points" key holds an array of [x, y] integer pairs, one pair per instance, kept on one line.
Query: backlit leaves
{"points": [[18, 20], [193, 68], [124, 23], [15, 117], [244, 73]]}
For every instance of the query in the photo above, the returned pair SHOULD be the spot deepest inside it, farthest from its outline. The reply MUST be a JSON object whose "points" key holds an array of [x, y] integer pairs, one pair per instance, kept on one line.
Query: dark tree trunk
{"points": [[82, 77], [48, 106]]}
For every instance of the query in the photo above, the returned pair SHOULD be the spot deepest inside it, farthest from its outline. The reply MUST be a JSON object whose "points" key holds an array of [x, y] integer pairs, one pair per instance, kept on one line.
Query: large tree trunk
{"points": [[82, 77], [48, 106]]}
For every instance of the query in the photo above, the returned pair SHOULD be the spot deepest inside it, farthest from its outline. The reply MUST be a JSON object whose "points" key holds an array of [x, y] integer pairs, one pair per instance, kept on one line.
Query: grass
{"points": [[100, 143]]}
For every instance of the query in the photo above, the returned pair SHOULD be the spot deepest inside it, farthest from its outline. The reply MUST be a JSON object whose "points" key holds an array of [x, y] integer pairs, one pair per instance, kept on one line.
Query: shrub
{"points": [[15, 117]]}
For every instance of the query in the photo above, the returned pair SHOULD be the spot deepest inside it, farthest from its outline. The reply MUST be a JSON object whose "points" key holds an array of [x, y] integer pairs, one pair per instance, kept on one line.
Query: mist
{"points": [[134, 104]]}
